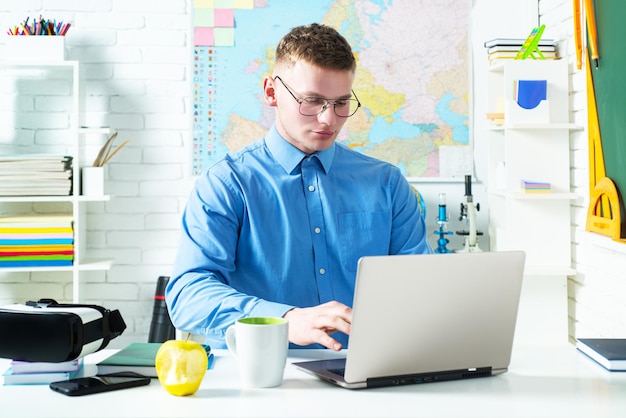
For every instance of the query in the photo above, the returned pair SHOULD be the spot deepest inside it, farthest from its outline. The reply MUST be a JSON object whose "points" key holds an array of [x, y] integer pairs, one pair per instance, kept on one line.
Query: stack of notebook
{"points": [[36, 241], [501, 49], [536, 187], [35, 175], [40, 373]]}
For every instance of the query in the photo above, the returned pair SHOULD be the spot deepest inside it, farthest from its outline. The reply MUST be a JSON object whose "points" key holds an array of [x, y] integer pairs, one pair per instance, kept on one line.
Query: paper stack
{"points": [[36, 241], [535, 187], [35, 175]]}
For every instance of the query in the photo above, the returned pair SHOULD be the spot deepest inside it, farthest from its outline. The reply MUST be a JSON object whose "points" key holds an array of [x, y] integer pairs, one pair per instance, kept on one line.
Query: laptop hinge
{"points": [[411, 379]]}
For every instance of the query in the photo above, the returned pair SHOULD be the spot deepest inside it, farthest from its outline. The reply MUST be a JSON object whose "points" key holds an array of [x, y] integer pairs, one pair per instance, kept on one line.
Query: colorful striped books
{"points": [[36, 241], [535, 187]]}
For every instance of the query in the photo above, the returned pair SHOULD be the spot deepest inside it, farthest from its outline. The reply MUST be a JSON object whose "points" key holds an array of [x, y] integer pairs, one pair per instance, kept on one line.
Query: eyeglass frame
{"points": [[324, 106]]}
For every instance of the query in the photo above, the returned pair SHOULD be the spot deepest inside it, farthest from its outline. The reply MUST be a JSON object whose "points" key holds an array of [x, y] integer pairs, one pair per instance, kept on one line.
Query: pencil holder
{"points": [[529, 103], [40, 48], [92, 181]]}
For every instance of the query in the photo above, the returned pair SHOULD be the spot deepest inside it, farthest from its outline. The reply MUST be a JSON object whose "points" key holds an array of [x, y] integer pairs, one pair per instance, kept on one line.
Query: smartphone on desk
{"points": [[97, 384]]}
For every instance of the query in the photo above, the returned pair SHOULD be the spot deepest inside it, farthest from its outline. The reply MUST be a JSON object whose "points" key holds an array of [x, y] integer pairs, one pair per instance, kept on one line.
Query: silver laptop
{"points": [[428, 318]]}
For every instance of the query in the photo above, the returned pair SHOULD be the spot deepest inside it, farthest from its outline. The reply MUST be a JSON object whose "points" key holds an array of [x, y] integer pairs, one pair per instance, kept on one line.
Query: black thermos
{"points": [[161, 327]]}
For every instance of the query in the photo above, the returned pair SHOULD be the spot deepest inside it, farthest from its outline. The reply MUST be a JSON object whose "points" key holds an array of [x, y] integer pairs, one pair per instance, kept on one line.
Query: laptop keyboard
{"points": [[340, 371]]}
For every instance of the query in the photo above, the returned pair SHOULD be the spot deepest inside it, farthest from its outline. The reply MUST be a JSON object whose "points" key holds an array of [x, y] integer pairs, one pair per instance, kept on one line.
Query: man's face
{"points": [[308, 133]]}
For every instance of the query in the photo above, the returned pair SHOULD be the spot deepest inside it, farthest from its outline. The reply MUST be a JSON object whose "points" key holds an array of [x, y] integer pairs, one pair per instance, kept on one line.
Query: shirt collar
{"points": [[289, 156]]}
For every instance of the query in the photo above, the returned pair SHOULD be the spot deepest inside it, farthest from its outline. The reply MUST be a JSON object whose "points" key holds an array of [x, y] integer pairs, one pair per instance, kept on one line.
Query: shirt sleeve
{"points": [[199, 297], [408, 234]]}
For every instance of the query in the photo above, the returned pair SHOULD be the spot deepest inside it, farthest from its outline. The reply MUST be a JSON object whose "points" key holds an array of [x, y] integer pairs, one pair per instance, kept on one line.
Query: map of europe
{"points": [[412, 78]]}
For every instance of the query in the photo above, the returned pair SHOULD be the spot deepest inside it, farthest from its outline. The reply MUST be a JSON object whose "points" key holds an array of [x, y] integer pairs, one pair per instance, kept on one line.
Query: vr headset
{"points": [[47, 331]]}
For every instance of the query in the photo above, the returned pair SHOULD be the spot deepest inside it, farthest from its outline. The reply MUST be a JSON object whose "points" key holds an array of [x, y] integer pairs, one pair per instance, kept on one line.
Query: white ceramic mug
{"points": [[260, 346]]}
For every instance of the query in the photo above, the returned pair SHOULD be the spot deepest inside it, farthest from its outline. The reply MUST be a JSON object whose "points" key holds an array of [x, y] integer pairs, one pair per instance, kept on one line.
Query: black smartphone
{"points": [[101, 383]]}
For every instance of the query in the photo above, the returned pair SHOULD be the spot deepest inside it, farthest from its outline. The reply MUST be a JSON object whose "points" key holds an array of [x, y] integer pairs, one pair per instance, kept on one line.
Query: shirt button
{"points": [[317, 230], [322, 271], [311, 188]]}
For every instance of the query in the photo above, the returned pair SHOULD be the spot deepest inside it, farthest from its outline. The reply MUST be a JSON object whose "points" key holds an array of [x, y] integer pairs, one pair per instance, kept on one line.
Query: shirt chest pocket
{"points": [[361, 234]]}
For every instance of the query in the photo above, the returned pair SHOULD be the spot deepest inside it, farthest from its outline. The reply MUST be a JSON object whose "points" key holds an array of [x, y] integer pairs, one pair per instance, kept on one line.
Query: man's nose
{"points": [[327, 116]]}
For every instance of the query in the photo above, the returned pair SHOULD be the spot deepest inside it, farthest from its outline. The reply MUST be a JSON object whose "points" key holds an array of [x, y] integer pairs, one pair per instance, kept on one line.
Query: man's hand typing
{"points": [[314, 325]]}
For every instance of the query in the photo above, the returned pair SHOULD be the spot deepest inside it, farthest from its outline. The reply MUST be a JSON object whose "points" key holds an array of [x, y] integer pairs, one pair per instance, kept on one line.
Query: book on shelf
{"points": [[36, 241], [35, 175], [610, 353], [136, 357], [50, 220], [498, 59], [516, 48], [43, 378], [497, 118], [536, 187], [518, 42], [512, 55], [501, 49], [36, 263], [22, 367]]}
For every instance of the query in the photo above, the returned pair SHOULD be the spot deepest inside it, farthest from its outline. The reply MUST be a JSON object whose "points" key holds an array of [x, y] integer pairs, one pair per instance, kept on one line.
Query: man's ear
{"points": [[269, 91]]}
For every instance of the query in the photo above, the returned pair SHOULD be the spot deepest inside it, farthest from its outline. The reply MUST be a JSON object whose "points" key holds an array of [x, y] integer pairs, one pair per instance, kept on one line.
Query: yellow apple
{"points": [[180, 366]]}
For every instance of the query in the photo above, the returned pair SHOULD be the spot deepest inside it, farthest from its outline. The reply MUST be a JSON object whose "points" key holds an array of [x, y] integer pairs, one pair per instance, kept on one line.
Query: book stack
{"points": [[40, 373], [501, 49], [35, 175], [535, 187], [36, 241]]}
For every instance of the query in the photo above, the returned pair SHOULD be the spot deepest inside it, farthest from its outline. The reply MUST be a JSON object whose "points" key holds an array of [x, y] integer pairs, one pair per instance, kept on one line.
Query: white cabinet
{"points": [[53, 85], [532, 147]]}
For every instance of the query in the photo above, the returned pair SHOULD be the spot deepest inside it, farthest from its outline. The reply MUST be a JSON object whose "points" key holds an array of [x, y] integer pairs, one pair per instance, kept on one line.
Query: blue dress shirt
{"points": [[270, 228]]}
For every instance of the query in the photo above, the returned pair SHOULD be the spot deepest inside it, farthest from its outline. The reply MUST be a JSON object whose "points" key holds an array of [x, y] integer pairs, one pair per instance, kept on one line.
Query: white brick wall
{"points": [[597, 301], [136, 57]]}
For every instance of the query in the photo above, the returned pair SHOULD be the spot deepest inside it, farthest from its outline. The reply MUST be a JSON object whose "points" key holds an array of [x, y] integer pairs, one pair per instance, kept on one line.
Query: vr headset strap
{"points": [[108, 327]]}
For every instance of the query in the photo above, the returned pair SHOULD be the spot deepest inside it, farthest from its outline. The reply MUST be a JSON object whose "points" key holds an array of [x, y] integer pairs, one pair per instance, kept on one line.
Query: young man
{"points": [[277, 228]]}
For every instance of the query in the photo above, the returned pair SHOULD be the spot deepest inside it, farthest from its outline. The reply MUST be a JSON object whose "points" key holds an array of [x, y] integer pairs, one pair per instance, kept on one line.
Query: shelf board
{"points": [[95, 264], [549, 271], [543, 196], [80, 198], [37, 63], [94, 130], [498, 66], [535, 196], [36, 198], [536, 126], [92, 264], [100, 198]]}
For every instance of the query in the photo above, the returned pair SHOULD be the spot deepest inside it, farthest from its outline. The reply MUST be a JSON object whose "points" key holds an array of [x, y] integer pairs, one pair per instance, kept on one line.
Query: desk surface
{"points": [[541, 382]]}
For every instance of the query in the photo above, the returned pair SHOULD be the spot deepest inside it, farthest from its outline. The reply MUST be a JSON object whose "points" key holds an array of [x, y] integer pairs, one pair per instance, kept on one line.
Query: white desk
{"points": [[541, 382]]}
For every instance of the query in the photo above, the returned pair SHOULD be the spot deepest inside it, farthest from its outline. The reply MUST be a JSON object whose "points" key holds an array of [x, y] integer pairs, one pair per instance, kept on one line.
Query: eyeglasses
{"points": [[312, 106]]}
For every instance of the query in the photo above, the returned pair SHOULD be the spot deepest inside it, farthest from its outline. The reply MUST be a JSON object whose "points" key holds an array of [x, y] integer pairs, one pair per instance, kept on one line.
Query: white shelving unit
{"points": [[73, 204], [539, 224]]}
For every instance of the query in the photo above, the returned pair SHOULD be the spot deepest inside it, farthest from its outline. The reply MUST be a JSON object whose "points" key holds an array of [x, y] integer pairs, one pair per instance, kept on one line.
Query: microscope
{"points": [[442, 221], [468, 212]]}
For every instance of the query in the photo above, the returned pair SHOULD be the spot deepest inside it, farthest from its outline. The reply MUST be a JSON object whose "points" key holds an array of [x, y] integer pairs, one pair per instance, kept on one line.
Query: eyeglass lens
{"points": [[311, 106]]}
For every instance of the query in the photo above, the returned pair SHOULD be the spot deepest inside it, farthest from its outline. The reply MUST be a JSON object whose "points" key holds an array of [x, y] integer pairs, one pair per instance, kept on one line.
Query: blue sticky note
{"points": [[529, 93]]}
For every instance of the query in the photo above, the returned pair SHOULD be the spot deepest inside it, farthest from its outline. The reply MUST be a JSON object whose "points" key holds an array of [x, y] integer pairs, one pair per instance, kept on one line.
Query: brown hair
{"points": [[318, 45]]}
